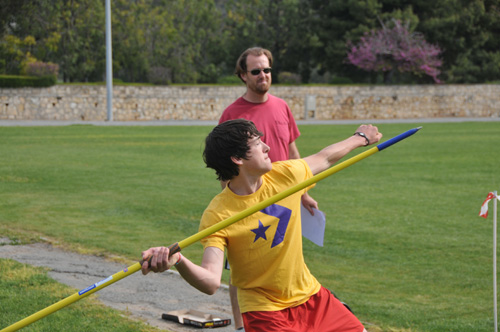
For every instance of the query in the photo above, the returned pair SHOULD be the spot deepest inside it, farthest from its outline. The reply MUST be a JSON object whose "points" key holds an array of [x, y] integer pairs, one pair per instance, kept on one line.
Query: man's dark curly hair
{"points": [[229, 139]]}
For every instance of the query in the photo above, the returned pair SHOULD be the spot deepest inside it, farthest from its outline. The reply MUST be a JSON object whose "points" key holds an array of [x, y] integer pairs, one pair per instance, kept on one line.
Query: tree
{"points": [[81, 51], [166, 41], [469, 33], [396, 48], [16, 49], [67, 32], [196, 23], [196, 41], [282, 26], [336, 22], [130, 31]]}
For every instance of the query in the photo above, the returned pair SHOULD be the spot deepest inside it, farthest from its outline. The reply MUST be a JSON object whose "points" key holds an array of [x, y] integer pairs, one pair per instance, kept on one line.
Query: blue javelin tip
{"points": [[398, 138]]}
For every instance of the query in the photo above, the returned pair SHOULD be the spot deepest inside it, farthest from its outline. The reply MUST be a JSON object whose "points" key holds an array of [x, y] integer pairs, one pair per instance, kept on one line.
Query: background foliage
{"points": [[198, 41]]}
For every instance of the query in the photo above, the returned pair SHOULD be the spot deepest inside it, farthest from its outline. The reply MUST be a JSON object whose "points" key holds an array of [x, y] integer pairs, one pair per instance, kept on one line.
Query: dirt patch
{"points": [[144, 298]]}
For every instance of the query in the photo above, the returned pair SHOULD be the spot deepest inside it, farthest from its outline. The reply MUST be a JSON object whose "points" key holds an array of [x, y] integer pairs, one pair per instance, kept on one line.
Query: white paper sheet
{"points": [[313, 227]]}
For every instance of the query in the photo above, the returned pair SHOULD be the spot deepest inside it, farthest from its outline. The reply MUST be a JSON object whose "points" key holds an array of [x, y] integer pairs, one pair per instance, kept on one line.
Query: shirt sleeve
{"points": [[217, 239]]}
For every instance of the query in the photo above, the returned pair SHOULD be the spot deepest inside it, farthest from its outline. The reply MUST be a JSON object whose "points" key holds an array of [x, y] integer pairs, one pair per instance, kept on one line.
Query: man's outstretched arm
{"points": [[331, 154]]}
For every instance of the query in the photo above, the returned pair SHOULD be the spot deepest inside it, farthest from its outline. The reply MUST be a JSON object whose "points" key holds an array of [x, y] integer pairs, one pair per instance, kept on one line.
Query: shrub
{"points": [[11, 81], [229, 80], [209, 74], [289, 78], [340, 80], [160, 75], [39, 69]]}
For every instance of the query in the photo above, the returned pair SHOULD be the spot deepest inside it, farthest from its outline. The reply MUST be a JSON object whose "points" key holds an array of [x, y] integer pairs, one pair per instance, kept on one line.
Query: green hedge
{"points": [[12, 81]]}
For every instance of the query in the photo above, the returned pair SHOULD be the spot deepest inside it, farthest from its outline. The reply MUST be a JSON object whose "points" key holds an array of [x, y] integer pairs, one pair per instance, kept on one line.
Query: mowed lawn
{"points": [[404, 245]]}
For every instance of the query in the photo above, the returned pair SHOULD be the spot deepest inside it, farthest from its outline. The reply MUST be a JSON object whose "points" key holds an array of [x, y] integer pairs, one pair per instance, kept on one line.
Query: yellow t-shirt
{"points": [[264, 250]]}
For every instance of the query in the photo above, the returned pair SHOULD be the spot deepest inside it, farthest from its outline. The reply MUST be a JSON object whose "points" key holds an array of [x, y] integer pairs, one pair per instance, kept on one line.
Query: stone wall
{"points": [[147, 103]]}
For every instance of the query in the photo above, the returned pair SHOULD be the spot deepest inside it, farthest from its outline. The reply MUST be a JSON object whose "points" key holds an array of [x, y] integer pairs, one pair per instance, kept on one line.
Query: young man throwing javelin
{"points": [[276, 291], [272, 116]]}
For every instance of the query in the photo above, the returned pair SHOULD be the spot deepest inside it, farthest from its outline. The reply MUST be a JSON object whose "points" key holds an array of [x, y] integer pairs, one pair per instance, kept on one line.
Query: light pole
{"points": [[109, 63]]}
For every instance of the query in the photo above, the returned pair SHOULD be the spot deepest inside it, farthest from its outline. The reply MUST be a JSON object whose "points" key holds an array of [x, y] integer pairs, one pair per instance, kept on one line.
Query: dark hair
{"points": [[241, 63], [228, 139]]}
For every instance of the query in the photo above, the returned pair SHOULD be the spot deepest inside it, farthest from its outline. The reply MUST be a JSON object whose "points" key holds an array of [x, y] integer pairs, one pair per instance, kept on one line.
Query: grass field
{"points": [[404, 245], [25, 288]]}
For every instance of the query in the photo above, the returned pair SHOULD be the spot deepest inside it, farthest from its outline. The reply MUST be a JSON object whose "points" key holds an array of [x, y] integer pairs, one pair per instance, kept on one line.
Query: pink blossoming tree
{"points": [[390, 49]]}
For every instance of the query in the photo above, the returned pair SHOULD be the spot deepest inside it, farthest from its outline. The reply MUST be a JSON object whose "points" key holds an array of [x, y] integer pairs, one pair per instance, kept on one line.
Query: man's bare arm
{"points": [[206, 278], [331, 154]]}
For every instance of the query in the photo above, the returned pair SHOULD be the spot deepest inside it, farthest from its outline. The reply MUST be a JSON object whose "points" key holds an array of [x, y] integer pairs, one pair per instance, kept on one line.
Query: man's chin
{"points": [[262, 91]]}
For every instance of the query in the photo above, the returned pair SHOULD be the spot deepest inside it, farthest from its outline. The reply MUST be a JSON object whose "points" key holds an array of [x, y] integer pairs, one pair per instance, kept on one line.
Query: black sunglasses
{"points": [[256, 72]]}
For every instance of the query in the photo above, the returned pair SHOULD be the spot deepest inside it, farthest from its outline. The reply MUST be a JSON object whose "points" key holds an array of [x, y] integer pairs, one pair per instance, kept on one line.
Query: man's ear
{"points": [[237, 161], [243, 76]]}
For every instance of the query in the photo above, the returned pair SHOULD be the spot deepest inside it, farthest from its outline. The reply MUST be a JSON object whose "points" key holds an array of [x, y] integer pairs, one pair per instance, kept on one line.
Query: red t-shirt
{"points": [[273, 118]]}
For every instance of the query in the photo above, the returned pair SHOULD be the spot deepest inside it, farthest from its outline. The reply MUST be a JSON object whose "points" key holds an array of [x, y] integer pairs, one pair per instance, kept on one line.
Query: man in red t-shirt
{"points": [[271, 115]]}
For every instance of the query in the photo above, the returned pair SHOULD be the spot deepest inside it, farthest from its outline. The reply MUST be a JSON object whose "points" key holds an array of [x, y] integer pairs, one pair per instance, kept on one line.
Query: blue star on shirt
{"points": [[260, 232]]}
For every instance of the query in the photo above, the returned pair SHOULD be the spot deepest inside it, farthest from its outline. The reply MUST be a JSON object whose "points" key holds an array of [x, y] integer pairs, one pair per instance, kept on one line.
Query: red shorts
{"points": [[321, 313]]}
